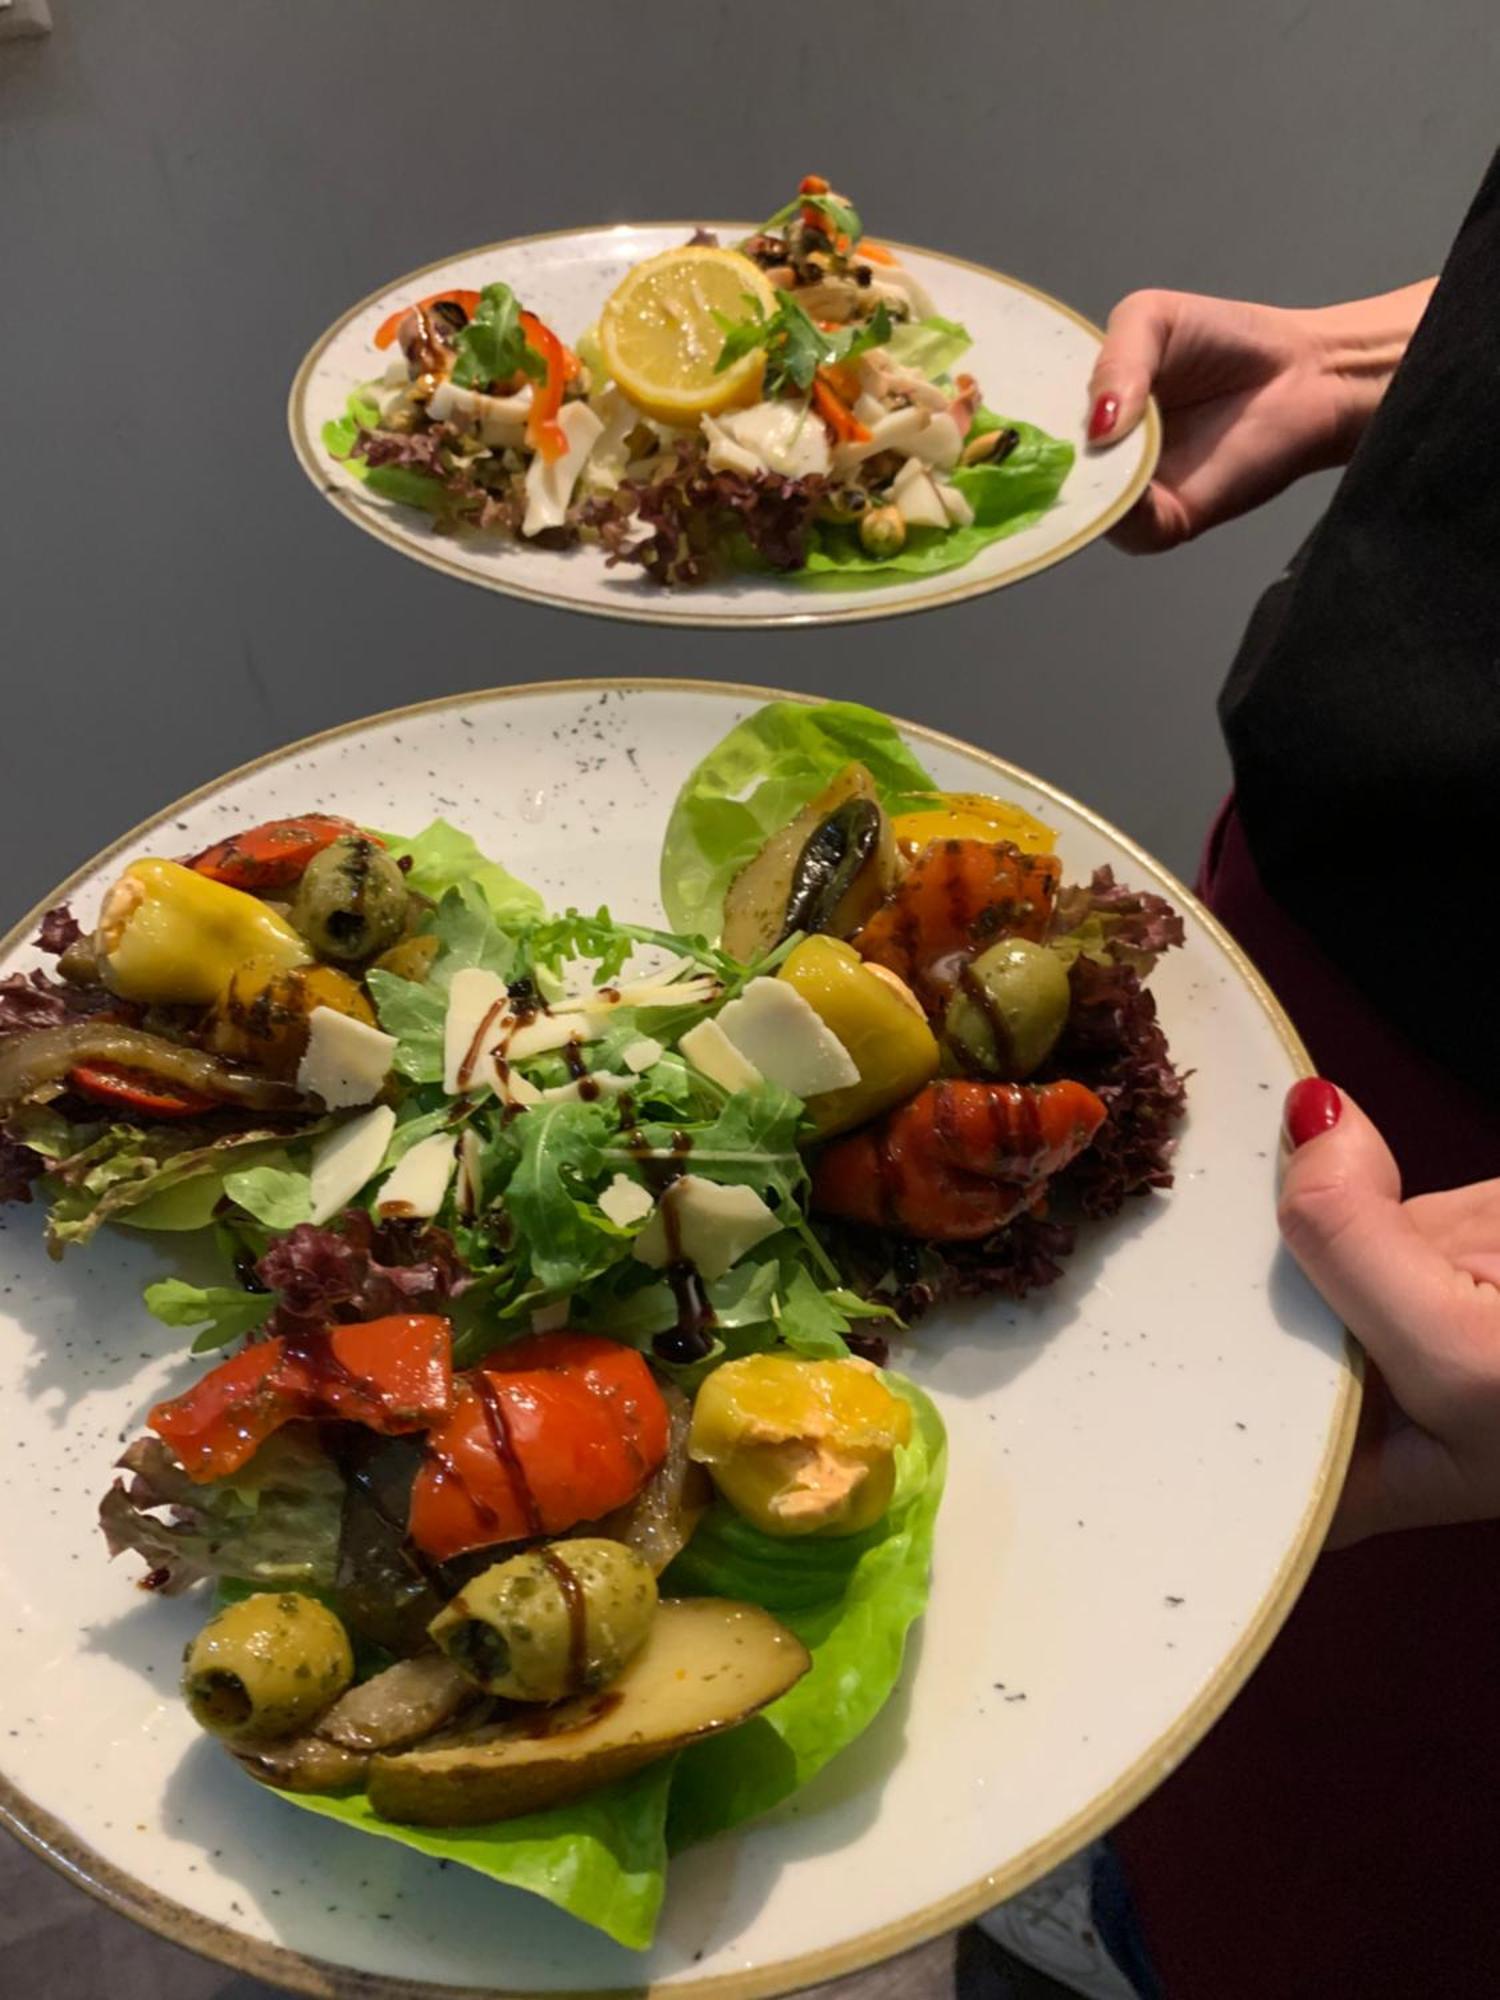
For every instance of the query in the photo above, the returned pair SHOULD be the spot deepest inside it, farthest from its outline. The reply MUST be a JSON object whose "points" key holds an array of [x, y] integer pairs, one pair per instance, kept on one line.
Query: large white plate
{"points": [[1031, 354], [1143, 1462]]}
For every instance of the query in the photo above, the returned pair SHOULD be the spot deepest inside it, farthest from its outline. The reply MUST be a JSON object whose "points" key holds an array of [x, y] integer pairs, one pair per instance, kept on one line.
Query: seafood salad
{"points": [[791, 403], [539, 1451]]}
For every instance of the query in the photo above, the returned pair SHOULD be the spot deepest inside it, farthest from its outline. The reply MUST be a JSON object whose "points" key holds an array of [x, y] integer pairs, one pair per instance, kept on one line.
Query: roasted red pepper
{"points": [[548, 1432], [134, 1090], [392, 1375], [957, 897], [273, 855], [386, 332], [543, 432], [958, 1160]]}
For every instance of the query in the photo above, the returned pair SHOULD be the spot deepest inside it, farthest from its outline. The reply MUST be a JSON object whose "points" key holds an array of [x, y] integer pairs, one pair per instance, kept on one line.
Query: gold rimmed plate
{"points": [[1031, 354], [1143, 1462]]}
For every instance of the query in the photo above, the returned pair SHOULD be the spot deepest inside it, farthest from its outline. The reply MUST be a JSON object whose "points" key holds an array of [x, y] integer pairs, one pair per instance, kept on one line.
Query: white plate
{"points": [[1031, 354], [1143, 1461]]}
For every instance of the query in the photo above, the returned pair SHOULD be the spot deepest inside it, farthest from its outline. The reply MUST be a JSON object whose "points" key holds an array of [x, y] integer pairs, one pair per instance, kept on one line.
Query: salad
{"points": [[790, 403], [557, 1500]]}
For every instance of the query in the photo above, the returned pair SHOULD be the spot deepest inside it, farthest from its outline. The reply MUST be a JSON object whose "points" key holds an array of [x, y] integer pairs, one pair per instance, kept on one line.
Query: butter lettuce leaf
{"points": [[933, 344], [755, 781], [1007, 497]]}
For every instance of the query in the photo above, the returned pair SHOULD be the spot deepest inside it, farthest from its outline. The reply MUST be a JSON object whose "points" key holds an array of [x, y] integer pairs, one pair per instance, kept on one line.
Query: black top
{"points": [[1363, 709]]}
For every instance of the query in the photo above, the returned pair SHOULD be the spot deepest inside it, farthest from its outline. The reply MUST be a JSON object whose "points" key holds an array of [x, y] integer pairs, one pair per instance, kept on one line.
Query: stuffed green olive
{"points": [[266, 1666]]}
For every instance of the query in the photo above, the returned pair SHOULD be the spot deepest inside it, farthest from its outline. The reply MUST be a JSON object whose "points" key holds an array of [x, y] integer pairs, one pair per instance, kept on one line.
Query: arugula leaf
{"points": [[413, 1010], [796, 346], [808, 1320], [751, 1143], [562, 1159], [280, 1197], [224, 1312], [493, 346], [841, 216]]}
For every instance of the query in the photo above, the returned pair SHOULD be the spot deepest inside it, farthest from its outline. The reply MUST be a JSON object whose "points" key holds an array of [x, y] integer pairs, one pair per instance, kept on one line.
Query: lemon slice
{"points": [[660, 339]]}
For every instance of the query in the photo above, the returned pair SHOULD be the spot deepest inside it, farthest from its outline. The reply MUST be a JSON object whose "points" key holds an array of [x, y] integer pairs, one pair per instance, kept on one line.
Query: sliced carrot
{"points": [[840, 419]]}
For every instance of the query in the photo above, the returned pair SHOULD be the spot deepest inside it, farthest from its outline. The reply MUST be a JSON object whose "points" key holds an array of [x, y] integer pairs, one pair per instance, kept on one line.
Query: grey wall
{"points": [[189, 192]]}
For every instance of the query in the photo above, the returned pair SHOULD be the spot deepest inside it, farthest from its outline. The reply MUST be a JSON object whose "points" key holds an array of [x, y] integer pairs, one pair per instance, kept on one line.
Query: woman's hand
{"points": [[1418, 1284], [1252, 397]]}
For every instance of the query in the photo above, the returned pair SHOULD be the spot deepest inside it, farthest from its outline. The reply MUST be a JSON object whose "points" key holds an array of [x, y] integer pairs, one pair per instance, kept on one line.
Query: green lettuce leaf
{"points": [[151, 1179], [224, 1312], [469, 933], [443, 858], [851, 1600], [280, 1196], [756, 780], [603, 1858], [934, 344], [391, 482], [1006, 498]]}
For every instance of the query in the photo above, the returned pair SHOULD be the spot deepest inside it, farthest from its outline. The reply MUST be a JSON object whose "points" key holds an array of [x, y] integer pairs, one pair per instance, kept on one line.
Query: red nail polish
{"points": [[1103, 417], [1312, 1108]]}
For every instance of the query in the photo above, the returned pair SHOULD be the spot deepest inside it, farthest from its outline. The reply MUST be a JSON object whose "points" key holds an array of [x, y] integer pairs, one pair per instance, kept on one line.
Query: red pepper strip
{"points": [[543, 432], [549, 1432], [222, 1421], [134, 1090], [840, 419], [387, 330], [272, 855], [391, 1375]]}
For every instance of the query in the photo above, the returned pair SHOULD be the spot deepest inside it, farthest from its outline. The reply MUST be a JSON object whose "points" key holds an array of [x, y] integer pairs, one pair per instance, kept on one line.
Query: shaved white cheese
{"points": [[640, 1056], [345, 1061], [552, 1318], [625, 1201], [710, 1050], [773, 1027], [710, 1226], [915, 497], [545, 1033], [774, 437], [608, 457], [343, 1160], [587, 1089], [499, 421], [478, 1013], [955, 505], [420, 1182], [469, 1175], [550, 483]]}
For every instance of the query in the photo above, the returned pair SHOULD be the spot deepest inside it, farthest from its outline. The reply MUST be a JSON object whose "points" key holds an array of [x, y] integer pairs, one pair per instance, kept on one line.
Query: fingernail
{"points": [[1312, 1108], [1103, 417]]}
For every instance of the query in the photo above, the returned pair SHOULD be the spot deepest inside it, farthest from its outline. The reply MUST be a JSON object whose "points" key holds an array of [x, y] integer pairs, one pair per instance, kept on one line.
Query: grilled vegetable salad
{"points": [[560, 1505], [791, 403]]}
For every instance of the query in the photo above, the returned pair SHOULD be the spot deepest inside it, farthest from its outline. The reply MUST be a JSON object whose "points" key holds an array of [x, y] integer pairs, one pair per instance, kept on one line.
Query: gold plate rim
{"points": [[311, 458], [296, 1972]]}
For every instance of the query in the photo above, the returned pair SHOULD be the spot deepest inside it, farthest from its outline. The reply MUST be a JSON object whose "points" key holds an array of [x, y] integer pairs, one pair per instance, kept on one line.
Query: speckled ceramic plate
{"points": [[1032, 356], [1143, 1463]]}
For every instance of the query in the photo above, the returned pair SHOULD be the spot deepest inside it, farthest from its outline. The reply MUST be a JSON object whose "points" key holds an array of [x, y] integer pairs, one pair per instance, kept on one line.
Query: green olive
{"points": [[1008, 1010], [266, 1666], [351, 901], [554, 1622]]}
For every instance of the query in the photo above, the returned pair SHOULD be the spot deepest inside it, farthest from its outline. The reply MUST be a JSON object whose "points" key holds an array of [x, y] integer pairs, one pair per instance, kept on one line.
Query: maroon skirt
{"points": [[1338, 1832]]}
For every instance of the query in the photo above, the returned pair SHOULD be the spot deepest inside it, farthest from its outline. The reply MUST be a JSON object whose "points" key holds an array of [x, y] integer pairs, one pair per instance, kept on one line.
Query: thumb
{"points": [[1343, 1220], [1129, 362]]}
